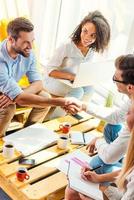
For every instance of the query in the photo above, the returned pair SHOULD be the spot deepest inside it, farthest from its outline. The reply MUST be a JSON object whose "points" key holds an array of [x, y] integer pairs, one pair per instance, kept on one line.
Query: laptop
{"points": [[92, 74]]}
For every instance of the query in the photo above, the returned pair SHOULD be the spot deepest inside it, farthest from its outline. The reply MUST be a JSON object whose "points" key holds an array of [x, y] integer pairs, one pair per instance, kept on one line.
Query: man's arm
{"points": [[34, 88], [113, 152], [110, 115], [25, 99]]}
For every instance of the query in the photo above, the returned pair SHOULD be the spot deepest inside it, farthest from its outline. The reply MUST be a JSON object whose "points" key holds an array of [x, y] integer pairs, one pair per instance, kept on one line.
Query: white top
{"points": [[66, 58], [116, 194], [114, 151]]}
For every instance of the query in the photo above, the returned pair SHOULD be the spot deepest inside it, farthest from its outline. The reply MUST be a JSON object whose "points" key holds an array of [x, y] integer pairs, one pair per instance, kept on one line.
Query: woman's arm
{"points": [[62, 75], [100, 178]]}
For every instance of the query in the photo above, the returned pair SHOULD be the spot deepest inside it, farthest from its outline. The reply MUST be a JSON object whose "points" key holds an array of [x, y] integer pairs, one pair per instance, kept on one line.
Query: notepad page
{"points": [[85, 187], [77, 160], [77, 137]]}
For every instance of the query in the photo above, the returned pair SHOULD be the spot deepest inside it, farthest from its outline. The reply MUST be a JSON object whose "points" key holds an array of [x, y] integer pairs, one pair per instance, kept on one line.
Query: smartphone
{"points": [[79, 117], [25, 161]]}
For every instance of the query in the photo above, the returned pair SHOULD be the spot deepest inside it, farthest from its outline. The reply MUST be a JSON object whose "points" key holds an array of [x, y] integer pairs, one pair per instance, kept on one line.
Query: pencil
{"points": [[96, 168]]}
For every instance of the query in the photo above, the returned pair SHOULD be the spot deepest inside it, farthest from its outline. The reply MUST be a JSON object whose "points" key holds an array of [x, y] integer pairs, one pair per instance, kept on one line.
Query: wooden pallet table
{"points": [[46, 182]]}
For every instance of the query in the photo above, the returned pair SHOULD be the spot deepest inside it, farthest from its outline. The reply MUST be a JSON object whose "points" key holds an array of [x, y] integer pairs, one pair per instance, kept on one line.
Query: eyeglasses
{"points": [[118, 81]]}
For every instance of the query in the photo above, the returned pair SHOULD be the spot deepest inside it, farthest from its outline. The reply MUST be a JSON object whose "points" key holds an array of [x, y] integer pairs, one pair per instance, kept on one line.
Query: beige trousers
{"points": [[37, 115]]}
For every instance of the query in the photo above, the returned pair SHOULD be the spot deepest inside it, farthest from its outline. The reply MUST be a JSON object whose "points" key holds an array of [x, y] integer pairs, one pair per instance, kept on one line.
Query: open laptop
{"points": [[92, 73]]}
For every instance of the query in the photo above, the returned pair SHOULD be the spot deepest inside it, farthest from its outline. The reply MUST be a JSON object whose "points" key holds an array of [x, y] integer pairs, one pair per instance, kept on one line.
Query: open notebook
{"points": [[78, 137], [32, 138], [71, 165]]}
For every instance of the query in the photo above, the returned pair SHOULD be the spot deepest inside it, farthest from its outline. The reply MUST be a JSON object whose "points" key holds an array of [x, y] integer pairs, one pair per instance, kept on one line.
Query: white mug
{"points": [[8, 150], [62, 142]]}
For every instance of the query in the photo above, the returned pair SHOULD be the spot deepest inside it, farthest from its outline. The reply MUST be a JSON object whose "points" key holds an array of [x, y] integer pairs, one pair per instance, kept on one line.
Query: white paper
{"points": [[76, 160], [78, 137], [32, 138]]}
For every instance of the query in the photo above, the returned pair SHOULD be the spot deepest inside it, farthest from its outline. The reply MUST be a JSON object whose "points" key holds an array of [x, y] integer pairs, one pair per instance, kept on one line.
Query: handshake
{"points": [[73, 106]]}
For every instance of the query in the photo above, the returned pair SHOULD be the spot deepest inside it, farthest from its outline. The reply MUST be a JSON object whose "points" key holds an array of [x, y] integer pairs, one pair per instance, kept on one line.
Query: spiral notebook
{"points": [[71, 165]]}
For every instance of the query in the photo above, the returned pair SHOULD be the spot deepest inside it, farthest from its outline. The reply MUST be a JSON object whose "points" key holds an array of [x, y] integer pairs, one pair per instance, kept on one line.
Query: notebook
{"points": [[32, 138], [71, 165], [78, 137], [92, 73]]}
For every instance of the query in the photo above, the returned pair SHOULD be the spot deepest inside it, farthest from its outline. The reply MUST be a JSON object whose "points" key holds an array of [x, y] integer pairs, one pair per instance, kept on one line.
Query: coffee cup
{"points": [[8, 150], [62, 142], [65, 127], [22, 174]]}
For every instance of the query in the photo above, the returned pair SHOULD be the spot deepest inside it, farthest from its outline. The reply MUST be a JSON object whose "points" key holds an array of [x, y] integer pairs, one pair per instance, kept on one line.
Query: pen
{"points": [[68, 168], [96, 168], [83, 138]]}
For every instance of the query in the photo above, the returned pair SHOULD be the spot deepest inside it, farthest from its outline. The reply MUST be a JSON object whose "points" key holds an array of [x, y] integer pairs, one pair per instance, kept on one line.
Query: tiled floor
{"points": [[4, 196]]}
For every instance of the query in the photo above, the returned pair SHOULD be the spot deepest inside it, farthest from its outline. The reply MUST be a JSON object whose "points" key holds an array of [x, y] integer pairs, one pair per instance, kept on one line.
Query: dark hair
{"points": [[19, 24], [125, 63], [102, 31]]}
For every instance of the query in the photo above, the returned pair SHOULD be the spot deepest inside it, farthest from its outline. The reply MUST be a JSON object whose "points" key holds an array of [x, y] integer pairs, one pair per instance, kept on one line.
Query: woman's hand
{"points": [[83, 170], [91, 176], [62, 75]]}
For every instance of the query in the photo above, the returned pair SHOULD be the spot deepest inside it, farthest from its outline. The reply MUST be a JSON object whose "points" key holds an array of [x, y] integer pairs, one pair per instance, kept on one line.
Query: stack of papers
{"points": [[32, 138]]}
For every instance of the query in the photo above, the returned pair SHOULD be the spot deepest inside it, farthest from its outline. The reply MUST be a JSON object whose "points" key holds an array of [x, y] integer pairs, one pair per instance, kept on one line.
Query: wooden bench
{"points": [[19, 118], [46, 182]]}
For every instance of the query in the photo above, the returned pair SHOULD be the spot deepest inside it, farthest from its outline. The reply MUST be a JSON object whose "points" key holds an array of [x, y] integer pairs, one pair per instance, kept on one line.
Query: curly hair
{"points": [[102, 31]]}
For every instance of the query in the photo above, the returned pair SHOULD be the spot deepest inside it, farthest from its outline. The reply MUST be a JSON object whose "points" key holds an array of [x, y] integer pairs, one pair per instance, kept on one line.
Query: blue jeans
{"points": [[110, 134], [81, 92]]}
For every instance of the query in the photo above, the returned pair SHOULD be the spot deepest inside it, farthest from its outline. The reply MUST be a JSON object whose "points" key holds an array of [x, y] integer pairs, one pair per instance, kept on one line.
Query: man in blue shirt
{"points": [[16, 60]]}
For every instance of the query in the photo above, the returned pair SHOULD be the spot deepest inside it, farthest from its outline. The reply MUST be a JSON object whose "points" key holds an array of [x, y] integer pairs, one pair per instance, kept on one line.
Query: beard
{"points": [[21, 52]]}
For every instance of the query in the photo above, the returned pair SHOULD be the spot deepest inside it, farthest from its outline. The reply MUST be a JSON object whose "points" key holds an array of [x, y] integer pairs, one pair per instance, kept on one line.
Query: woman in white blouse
{"points": [[91, 35]]}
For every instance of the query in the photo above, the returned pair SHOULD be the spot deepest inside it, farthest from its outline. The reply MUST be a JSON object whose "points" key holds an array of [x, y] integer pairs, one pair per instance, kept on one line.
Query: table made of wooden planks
{"points": [[46, 182]]}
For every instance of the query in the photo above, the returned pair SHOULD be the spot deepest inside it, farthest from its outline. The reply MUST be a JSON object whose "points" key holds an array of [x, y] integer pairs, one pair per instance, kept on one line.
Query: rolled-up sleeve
{"points": [[8, 85], [113, 152], [110, 115], [33, 72]]}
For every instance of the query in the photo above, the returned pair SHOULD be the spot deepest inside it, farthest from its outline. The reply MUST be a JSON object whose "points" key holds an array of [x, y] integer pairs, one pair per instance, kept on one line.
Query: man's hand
{"points": [[5, 101], [72, 105], [91, 146]]}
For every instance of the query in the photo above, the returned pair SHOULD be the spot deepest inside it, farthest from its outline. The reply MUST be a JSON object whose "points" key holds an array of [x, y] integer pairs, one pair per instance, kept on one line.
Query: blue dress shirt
{"points": [[11, 71]]}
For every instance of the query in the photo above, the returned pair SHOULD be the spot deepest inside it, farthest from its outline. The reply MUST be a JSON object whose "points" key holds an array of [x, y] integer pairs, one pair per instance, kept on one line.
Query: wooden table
{"points": [[46, 182]]}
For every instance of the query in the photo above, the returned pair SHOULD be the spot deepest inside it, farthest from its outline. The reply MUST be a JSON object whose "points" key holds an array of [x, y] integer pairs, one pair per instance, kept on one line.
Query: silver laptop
{"points": [[92, 73]]}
